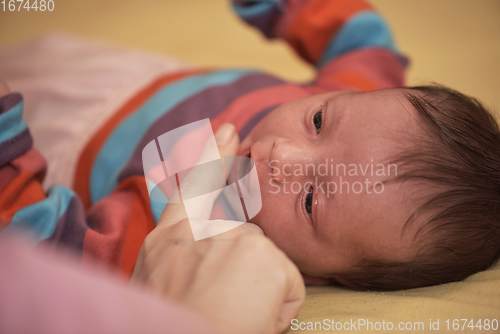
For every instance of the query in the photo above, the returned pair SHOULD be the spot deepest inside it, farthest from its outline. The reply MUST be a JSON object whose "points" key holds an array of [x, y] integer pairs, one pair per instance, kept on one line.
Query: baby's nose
{"points": [[289, 159]]}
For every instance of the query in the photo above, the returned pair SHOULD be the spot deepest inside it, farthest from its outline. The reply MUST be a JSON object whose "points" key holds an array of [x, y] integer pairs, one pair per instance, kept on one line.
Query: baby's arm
{"points": [[348, 42]]}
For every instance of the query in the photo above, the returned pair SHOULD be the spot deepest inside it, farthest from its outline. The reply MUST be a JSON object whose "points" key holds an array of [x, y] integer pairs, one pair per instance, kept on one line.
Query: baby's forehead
{"points": [[376, 115], [393, 99]]}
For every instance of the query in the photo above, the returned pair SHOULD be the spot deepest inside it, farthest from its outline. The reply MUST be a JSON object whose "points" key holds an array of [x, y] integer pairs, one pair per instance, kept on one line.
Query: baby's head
{"points": [[387, 189]]}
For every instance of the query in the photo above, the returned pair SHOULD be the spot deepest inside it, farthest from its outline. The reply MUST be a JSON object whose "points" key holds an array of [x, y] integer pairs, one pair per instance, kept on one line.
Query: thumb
{"points": [[206, 180], [227, 140], [209, 175]]}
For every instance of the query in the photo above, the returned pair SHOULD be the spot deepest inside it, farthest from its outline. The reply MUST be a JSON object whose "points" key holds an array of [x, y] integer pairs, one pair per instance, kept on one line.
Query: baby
{"points": [[363, 182], [434, 219]]}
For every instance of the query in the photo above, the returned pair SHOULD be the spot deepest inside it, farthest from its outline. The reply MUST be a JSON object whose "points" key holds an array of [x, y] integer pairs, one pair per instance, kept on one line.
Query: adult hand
{"points": [[238, 280]]}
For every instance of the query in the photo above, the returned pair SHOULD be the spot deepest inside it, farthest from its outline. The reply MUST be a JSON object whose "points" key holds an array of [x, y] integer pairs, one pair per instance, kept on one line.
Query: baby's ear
{"points": [[316, 280]]}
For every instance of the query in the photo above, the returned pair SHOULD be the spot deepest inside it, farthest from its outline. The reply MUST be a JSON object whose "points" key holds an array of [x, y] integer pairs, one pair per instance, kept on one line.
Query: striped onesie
{"points": [[95, 200]]}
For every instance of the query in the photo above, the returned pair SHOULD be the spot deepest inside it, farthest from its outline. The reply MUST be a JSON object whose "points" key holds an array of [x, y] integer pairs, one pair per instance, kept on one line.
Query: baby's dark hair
{"points": [[460, 234]]}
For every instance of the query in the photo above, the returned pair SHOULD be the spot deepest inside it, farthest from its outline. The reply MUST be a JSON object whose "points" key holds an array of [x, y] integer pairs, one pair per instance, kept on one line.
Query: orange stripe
{"points": [[140, 224], [316, 24], [91, 150], [355, 80]]}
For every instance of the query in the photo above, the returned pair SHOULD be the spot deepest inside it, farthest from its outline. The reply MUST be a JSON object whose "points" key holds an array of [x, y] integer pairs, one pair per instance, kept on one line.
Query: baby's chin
{"points": [[257, 220]]}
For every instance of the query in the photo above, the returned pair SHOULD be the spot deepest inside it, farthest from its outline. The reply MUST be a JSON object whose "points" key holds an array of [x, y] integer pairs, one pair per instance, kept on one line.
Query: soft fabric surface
{"points": [[477, 297]]}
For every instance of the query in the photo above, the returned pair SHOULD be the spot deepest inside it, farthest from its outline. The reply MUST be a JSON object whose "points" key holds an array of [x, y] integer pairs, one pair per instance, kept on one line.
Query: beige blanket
{"points": [[476, 298]]}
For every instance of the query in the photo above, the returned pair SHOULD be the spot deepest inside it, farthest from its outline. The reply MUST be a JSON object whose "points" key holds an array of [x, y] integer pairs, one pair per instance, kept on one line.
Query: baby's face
{"points": [[321, 161]]}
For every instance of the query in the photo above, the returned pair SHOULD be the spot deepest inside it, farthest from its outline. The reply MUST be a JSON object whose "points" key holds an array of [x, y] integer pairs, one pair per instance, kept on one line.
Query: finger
{"points": [[239, 231], [250, 228], [207, 178], [295, 293], [227, 142]]}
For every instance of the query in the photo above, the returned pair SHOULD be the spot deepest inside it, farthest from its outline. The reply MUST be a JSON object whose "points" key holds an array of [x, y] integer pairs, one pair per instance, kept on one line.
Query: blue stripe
{"points": [[255, 8], [366, 29], [227, 208], [40, 219], [120, 146], [12, 123], [157, 207]]}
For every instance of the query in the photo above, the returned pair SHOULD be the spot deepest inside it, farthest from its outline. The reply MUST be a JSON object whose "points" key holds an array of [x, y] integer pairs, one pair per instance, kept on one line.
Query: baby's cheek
{"points": [[265, 220]]}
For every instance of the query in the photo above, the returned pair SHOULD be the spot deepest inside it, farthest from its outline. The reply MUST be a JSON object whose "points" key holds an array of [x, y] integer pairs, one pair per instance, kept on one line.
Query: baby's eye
{"points": [[308, 201], [318, 120]]}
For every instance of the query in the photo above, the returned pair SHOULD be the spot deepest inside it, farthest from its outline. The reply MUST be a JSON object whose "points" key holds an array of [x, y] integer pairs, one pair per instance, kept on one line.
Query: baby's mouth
{"points": [[245, 153]]}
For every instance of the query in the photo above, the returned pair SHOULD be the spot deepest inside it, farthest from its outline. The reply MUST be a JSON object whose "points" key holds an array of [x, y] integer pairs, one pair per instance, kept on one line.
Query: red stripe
{"points": [[365, 69], [141, 222], [21, 179], [104, 241]]}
